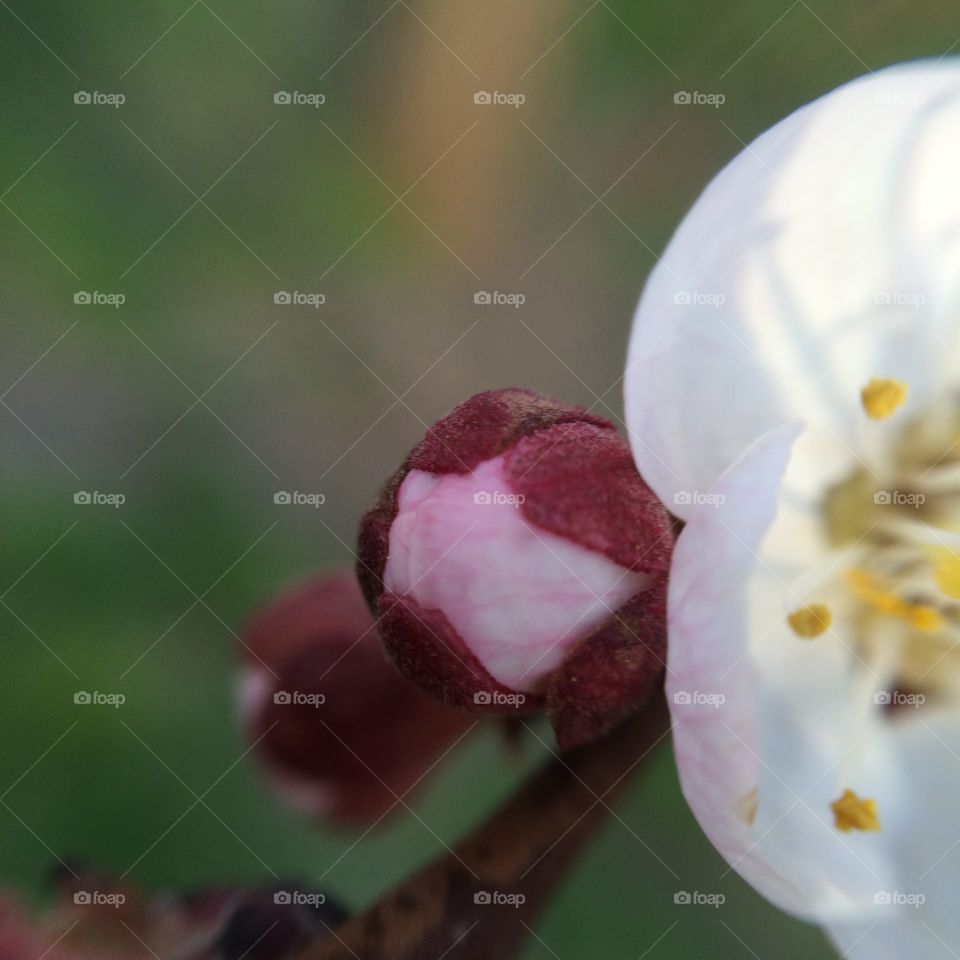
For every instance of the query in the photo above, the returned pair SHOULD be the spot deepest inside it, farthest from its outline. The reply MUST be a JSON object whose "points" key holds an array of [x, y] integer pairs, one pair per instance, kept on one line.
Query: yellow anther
{"points": [[883, 398], [811, 621], [852, 813], [747, 806], [947, 571], [923, 617], [869, 590]]}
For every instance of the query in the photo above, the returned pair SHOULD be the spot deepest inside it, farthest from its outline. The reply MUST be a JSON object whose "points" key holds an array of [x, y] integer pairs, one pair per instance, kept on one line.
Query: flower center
{"points": [[896, 593], [893, 596]]}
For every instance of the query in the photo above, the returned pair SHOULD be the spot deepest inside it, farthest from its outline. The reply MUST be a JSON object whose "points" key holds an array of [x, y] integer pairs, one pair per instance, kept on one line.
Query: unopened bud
{"points": [[517, 559], [341, 733]]}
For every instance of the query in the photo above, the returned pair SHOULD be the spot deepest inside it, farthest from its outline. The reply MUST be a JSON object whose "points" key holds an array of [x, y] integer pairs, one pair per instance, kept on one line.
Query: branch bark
{"points": [[523, 849]]}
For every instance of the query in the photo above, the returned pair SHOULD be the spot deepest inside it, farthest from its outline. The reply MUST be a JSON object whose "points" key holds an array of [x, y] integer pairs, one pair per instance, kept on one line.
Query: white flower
{"points": [[793, 390]]}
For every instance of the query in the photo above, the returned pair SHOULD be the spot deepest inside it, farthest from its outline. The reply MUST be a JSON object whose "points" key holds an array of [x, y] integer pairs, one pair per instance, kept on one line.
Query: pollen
{"points": [[883, 398], [869, 590], [852, 813], [811, 621]]}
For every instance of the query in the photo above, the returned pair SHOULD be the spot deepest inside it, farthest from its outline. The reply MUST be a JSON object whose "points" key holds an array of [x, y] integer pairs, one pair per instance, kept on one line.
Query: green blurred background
{"points": [[398, 199]]}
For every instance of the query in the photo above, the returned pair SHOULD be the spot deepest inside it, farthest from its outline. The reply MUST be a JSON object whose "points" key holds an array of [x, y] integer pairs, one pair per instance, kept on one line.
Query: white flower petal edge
{"points": [[798, 271]]}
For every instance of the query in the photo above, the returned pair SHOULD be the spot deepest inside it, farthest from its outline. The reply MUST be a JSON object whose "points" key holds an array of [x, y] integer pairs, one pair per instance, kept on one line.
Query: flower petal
{"points": [[520, 597], [707, 657], [767, 729], [824, 255], [918, 916]]}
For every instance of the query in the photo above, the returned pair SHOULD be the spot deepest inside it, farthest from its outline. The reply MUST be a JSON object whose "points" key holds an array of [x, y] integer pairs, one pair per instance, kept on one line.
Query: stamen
{"points": [[869, 589], [747, 806], [852, 813], [810, 621], [883, 398]]}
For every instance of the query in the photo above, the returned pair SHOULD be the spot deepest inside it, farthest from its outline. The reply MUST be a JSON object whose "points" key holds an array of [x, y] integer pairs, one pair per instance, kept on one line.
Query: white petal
{"points": [[791, 730], [708, 663], [878, 939], [518, 596], [919, 916], [771, 301]]}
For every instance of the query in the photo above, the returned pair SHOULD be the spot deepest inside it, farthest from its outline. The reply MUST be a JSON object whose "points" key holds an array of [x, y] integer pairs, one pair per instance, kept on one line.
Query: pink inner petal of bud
{"points": [[518, 596]]}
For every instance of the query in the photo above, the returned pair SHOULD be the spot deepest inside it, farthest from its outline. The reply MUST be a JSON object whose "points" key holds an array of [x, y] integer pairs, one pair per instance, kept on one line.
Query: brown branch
{"points": [[522, 850]]}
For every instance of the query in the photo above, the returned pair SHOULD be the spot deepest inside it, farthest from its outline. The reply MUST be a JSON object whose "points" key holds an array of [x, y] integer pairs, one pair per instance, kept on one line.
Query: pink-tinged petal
{"points": [[429, 652], [519, 597], [824, 255], [708, 662], [768, 728]]}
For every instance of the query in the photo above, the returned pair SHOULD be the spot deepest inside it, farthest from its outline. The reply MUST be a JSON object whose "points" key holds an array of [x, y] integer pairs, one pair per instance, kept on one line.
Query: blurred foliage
{"points": [[198, 199]]}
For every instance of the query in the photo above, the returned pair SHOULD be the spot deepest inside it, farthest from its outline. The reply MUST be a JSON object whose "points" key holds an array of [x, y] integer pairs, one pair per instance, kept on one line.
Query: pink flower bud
{"points": [[517, 559], [340, 731]]}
